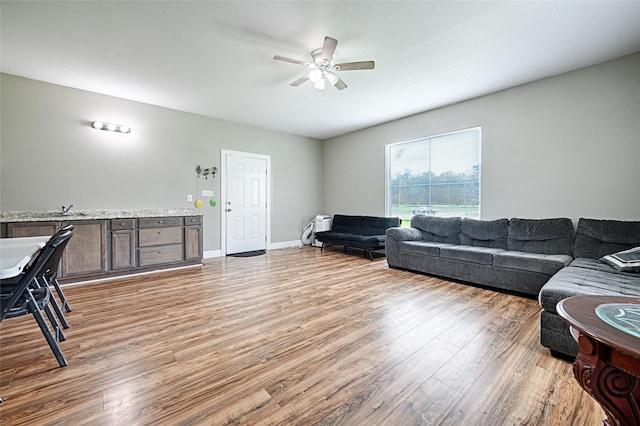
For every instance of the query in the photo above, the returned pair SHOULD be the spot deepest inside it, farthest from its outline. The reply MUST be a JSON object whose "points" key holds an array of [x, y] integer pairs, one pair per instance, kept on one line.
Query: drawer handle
{"points": [[160, 221], [122, 224]]}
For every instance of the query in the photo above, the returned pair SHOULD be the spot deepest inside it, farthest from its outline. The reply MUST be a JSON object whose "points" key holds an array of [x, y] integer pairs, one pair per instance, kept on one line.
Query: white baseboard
{"points": [[211, 254], [284, 245]]}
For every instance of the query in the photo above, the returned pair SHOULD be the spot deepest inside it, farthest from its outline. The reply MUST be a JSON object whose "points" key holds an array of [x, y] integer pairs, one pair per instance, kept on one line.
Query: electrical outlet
{"points": [[189, 198], [207, 193]]}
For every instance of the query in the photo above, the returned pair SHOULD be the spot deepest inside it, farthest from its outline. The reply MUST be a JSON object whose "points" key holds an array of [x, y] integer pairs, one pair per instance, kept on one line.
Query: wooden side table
{"points": [[607, 366]]}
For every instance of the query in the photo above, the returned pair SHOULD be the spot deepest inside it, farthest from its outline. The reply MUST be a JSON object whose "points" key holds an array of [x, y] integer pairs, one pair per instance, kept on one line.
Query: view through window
{"points": [[438, 175]]}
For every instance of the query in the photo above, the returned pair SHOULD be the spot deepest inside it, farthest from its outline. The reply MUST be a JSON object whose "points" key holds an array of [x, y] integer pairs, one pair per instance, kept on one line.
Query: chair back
{"points": [[50, 269], [10, 294]]}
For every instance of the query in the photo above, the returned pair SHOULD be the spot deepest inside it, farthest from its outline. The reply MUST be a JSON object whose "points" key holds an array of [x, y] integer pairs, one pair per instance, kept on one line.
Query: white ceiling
{"points": [[215, 58]]}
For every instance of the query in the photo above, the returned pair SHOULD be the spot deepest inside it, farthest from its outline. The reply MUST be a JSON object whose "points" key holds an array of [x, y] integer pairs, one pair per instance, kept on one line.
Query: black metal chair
{"points": [[23, 297], [49, 274]]}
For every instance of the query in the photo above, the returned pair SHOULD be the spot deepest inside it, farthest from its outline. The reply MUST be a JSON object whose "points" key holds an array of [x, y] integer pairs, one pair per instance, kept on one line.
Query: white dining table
{"points": [[16, 253]]}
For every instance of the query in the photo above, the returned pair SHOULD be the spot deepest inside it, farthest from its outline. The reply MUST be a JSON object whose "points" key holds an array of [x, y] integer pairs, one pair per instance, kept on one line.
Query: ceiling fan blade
{"points": [[347, 66], [336, 81], [328, 48], [293, 61], [299, 81], [340, 85]]}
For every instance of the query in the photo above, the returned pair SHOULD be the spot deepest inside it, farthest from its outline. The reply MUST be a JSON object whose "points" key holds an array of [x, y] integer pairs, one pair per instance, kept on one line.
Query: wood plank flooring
{"points": [[293, 337]]}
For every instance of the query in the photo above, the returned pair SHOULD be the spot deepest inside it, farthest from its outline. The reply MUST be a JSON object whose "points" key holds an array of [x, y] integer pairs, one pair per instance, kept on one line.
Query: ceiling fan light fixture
{"points": [[315, 76], [320, 84], [333, 79]]}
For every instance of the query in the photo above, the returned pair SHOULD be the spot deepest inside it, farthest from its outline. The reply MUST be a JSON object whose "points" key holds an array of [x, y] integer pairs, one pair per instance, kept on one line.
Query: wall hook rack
{"points": [[206, 172]]}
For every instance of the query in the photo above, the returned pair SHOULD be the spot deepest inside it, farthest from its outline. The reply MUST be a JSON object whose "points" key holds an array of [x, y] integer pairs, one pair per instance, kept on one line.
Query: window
{"points": [[437, 175]]}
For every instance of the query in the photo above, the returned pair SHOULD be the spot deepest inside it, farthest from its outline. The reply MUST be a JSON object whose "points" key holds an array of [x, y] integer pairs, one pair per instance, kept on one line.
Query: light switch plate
{"points": [[207, 193], [189, 198]]}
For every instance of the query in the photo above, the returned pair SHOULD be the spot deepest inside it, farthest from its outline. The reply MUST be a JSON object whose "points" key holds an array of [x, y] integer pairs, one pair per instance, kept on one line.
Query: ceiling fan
{"points": [[322, 68]]}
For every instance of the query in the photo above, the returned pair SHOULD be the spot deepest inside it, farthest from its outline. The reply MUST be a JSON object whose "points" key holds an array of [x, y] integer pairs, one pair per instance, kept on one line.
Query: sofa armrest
{"points": [[404, 234]]}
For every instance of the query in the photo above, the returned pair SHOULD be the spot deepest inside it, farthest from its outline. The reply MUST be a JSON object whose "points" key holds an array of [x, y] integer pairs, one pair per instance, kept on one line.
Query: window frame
{"points": [[387, 199]]}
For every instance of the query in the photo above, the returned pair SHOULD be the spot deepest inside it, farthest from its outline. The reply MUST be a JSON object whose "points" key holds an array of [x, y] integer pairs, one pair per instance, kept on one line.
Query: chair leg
{"points": [[51, 340], [54, 323], [59, 314], [63, 299], [54, 303]]}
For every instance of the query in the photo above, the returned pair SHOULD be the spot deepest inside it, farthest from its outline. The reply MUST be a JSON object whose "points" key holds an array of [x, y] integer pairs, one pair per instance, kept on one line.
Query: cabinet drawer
{"points": [[152, 222], [159, 236], [193, 220], [118, 224], [162, 254]]}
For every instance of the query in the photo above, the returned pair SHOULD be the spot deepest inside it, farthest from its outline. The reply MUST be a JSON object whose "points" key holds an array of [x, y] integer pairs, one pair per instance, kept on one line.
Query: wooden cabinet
{"points": [[105, 247], [86, 252], [193, 238], [160, 241], [31, 229], [123, 244]]}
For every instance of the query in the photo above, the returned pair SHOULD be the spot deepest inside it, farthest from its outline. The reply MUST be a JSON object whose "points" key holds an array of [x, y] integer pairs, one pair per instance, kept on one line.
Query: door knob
{"points": [[228, 210]]}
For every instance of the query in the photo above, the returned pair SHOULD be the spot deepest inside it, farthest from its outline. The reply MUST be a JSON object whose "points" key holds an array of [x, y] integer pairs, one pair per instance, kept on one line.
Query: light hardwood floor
{"points": [[293, 337]]}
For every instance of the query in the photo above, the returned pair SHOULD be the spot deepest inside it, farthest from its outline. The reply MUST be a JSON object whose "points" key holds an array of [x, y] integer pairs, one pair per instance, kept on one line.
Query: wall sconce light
{"points": [[110, 127]]}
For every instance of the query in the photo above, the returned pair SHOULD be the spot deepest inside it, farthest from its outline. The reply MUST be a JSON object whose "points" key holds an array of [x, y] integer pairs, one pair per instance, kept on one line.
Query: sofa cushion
{"points": [[369, 240], [624, 261], [547, 264], [578, 281], [438, 229], [422, 247], [331, 236], [583, 262], [377, 225], [401, 234], [546, 236], [345, 223], [596, 238], [484, 233], [481, 255]]}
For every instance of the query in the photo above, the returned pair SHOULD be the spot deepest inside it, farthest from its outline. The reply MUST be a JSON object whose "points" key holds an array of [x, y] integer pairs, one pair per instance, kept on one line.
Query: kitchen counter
{"points": [[56, 215], [108, 243]]}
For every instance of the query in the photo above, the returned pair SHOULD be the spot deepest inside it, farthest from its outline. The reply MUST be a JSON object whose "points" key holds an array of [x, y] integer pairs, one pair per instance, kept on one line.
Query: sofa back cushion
{"points": [[438, 229], [596, 238], [484, 233], [375, 225], [544, 236], [347, 224]]}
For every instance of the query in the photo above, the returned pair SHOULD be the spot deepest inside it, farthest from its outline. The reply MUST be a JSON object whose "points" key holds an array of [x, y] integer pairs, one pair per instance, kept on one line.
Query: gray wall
{"points": [[563, 146], [50, 157]]}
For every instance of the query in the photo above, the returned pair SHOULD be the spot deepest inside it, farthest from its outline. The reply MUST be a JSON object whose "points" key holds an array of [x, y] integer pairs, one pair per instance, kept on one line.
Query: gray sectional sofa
{"points": [[546, 259], [517, 255], [588, 274]]}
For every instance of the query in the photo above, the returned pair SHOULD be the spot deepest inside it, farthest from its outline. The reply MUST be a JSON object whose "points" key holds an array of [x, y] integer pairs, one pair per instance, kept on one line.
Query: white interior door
{"points": [[245, 202]]}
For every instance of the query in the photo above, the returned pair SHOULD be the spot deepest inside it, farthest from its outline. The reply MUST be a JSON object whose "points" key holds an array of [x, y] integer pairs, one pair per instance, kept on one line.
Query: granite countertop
{"points": [[56, 215]]}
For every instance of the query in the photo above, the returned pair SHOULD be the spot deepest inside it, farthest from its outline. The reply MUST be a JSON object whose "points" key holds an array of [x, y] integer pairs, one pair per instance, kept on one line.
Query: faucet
{"points": [[65, 210]]}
